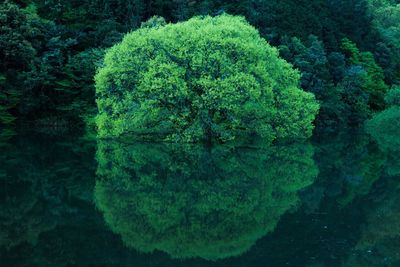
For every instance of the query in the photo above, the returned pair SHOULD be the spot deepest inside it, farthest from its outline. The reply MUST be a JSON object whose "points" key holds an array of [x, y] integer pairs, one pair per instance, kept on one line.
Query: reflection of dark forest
{"points": [[347, 216]]}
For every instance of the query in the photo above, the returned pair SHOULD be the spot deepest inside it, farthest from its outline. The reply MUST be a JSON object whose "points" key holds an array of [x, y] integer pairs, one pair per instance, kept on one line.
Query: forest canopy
{"points": [[347, 53], [210, 78]]}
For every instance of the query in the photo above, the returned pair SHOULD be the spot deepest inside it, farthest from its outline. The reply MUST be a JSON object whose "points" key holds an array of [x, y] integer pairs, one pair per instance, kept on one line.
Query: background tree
{"points": [[373, 81], [16, 53]]}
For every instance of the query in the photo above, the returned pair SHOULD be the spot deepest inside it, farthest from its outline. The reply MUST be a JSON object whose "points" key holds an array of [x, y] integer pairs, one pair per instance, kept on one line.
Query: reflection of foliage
{"points": [[383, 225], [361, 172], [393, 164], [381, 236], [349, 166], [21, 214], [37, 177], [191, 201], [385, 128]]}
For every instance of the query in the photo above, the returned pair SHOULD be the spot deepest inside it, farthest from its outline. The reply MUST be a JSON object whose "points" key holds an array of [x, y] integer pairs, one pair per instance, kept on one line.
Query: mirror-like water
{"points": [[65, 201]]}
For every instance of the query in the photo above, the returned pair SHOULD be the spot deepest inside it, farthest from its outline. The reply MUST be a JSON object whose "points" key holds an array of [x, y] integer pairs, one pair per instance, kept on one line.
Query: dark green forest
{"points": [[348, 53]]}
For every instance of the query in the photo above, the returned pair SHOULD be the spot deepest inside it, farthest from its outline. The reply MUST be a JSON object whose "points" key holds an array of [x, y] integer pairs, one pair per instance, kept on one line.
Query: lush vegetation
{"points": [[385, 125], [201, 80], [188, 71], [348, 54]]}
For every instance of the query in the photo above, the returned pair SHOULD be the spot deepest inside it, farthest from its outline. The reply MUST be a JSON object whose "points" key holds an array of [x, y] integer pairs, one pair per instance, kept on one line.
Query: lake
{"points": [[66, 200]]}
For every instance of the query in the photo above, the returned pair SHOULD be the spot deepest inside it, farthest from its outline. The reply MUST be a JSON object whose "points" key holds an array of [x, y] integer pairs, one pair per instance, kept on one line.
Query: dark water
{"points": [[67, 201]]}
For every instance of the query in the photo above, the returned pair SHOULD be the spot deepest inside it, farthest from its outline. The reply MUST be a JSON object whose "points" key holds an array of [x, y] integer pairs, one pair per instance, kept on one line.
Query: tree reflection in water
{"points": [[192, 201], [379, 244]]}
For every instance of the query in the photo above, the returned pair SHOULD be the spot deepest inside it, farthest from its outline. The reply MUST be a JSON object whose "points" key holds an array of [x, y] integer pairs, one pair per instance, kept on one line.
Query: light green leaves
{"points": [[207, 79]]}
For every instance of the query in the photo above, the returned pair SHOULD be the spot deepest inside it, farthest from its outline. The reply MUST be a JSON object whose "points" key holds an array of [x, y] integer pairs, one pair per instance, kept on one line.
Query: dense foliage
{"points": [[202, 80], [385, 125], [49, 50]]}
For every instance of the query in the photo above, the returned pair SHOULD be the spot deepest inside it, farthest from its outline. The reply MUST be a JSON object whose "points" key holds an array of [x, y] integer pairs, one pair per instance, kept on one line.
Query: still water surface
{"points": [[67, 201]]}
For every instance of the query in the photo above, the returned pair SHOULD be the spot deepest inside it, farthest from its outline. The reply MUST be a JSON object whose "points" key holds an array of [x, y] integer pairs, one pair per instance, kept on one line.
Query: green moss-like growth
{"points": [[207, 79], [190, 201]]}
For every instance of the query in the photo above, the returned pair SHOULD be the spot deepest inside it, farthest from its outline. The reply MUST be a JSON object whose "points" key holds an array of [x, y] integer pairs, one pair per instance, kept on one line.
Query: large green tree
{"points": [[201, 80]]}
